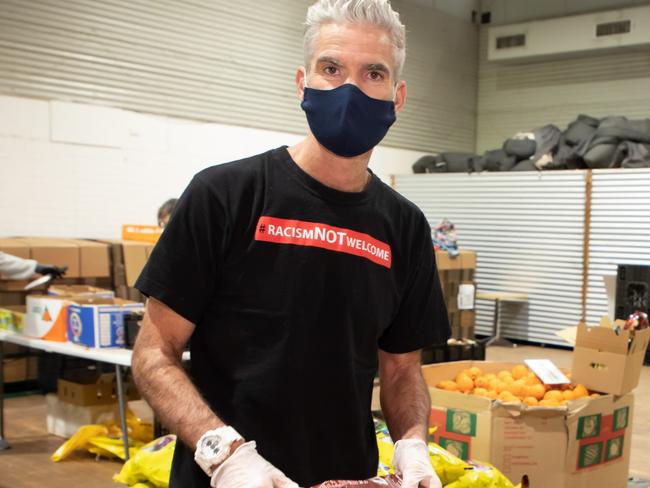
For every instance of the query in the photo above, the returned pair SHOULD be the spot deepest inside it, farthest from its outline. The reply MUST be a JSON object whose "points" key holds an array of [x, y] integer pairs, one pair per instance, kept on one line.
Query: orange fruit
{"points": [[474, 372], [490, 376], [448, 385], [580, 391], [532, 379], [519, 371], [492, 395], [554, 395], [594, 395], [482, 392], [506, 396], [482, 382], [531, 401], [497, 385], [502, 375], [464, 382], [517, 388], [568, 395], [536, 391]]}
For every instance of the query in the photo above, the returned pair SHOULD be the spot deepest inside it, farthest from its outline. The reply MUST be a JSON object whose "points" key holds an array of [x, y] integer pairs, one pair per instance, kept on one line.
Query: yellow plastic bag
{"points": [[106, 439], [151, 465], [481, 476], [79, 441]]}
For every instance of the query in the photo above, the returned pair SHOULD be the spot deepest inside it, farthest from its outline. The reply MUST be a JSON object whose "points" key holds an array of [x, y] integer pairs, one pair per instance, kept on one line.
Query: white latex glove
{"points": [[411, 460], [245, 468]]}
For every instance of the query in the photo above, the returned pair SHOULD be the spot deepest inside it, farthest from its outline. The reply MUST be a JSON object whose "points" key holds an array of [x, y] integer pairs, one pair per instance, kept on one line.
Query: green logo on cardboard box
{"points": [[620, 418], [589, 426], [614, 448], [457, 448], [461, 422], [590, 454]]}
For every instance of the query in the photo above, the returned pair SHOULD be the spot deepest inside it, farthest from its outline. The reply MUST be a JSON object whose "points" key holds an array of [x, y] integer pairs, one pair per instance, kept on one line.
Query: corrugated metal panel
{"points": [[620, 229], [222, 62], [519, 96], [527, 229]]}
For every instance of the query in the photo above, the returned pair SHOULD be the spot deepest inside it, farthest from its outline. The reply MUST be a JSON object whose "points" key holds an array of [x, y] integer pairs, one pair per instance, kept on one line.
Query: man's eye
{"points": [[376, 75], [331, 70]]}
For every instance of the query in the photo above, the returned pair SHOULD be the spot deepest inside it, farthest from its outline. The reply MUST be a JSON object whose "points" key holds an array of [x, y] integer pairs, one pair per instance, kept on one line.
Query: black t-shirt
{"points": [[293, 287]]}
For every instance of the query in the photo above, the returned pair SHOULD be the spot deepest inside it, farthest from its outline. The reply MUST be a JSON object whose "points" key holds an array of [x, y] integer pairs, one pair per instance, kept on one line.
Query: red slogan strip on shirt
{"points": [[300, 233]]}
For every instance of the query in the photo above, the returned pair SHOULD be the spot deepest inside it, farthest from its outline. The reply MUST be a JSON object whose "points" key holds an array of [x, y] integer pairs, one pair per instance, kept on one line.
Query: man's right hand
{"points": [[245, 468]]}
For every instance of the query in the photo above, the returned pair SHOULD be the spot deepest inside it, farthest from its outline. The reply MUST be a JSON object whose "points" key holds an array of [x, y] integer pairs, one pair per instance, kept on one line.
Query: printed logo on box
{"points": [[603, 437], [76, 326], [454, 430], [589, 426], [620, 418], [459, 449], [614, 448], [461, 422], [590, 454]]}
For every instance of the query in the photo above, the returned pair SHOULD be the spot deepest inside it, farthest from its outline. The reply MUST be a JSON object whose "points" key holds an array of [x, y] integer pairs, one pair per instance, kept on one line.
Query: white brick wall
{"points": [[83, 170]]}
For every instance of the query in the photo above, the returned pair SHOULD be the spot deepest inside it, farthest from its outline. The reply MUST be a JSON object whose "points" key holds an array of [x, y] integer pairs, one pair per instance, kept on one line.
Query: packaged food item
{"points": [[385, 482]]}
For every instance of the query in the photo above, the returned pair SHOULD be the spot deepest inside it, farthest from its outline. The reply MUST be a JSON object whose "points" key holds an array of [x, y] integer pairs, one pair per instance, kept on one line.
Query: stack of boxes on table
{"points": [[86, 306], [459, 289]]}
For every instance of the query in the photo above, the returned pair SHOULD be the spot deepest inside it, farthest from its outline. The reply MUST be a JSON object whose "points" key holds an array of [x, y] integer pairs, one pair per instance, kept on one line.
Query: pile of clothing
{"points": [[587, 142]]}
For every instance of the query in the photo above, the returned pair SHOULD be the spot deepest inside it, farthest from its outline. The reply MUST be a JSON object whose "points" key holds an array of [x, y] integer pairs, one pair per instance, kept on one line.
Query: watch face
{"points": [[210, 446]]}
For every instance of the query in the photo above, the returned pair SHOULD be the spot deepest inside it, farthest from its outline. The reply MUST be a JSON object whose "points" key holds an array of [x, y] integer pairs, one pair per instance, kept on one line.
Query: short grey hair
{"points": [[375, 12]]}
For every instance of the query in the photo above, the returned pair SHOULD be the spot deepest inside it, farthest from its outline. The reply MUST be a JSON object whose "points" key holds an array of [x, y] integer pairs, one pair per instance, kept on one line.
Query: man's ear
{"points": [[400, 96], [301, 79]]}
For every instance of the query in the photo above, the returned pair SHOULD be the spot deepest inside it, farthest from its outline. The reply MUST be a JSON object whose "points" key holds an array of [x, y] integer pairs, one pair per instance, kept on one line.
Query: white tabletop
{"points": [[105, 355]]}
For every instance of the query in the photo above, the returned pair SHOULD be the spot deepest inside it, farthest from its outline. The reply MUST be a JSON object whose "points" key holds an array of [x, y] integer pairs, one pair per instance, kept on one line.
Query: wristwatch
{"points": [[214, 447]]}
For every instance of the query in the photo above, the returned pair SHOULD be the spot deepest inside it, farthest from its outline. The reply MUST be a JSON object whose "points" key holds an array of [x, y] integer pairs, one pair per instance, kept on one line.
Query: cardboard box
{"points": [[47, 317], [607, 361], [99, 322], [141, 233], [64, 419], [585, 444], [93, 259], [81, 291], [87, 388], [15, 369], [15, 247], [84, 259], [12, 318], [464, 260], [128, 259]]}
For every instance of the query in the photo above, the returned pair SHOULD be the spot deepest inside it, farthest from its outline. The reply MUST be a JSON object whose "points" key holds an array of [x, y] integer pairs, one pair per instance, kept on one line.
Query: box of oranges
{"points": [[558, 435]]}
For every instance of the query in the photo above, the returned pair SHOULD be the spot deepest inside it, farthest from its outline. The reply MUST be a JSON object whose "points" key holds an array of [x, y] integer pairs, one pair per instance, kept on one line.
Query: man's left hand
{"points": [[411, 460]]}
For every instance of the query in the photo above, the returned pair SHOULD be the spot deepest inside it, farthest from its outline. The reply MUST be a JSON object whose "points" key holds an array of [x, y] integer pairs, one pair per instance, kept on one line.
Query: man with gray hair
{"points": [[296, 275]]}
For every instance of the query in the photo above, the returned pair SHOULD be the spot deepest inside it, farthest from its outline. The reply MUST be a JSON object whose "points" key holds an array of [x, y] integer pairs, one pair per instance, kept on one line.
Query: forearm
{"points": [[405, 403], [14, 268], [163, 382]]}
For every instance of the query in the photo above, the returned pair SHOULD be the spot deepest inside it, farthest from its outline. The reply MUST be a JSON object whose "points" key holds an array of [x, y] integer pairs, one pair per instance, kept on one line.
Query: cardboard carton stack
{"points": [[127, 260], [458, 286], [84, 398], [87, 263]]}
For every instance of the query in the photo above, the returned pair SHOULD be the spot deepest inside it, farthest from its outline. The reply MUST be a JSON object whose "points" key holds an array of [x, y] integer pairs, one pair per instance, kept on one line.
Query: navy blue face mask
{"points": [[347, 121]]}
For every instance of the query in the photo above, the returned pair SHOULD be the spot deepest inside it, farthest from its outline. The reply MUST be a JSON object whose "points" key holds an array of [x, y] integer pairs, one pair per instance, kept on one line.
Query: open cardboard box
{"points": [[85, 291], [607, 358], [585, 443], [84, 388]]}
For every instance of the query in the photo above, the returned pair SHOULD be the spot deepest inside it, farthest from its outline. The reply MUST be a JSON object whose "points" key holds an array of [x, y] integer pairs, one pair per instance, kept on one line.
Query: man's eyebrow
{"points": [[377, 67], [329, 60]]}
